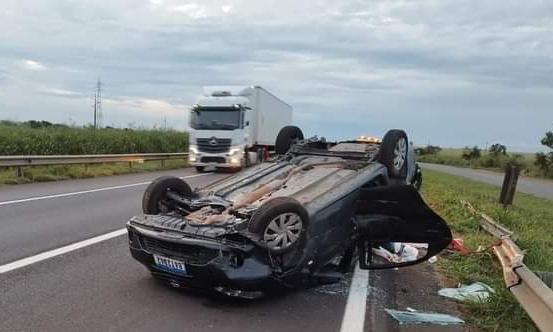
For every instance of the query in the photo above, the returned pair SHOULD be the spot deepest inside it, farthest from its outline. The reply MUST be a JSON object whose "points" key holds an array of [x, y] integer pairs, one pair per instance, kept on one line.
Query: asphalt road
{"points": [[538, 187], [101, 288]]}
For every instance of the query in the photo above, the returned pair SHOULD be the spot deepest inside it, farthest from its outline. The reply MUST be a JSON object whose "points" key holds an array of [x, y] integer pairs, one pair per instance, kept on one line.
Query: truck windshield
{"points": [[215, 118]]}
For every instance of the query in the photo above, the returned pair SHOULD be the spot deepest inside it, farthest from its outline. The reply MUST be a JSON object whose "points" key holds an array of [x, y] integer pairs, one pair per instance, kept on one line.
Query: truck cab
{"points": [[234, 127]]}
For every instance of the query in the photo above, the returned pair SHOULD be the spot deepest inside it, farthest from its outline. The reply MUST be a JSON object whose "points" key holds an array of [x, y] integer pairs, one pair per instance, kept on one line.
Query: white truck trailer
{"points": [[236, 126]]}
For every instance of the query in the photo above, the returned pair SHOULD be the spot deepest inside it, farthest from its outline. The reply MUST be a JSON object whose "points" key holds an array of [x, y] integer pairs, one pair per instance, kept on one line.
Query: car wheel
{"points": [[281, 224], [154, 198], [200, 169], [286, 137], [393, 153]]}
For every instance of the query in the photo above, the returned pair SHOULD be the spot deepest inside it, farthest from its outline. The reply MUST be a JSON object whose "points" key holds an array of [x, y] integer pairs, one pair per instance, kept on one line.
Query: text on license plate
{"points": [[170, 264]]}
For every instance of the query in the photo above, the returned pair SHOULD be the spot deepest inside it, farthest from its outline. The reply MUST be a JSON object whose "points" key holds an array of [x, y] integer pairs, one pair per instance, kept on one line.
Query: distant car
{"points": [[299, 219]]}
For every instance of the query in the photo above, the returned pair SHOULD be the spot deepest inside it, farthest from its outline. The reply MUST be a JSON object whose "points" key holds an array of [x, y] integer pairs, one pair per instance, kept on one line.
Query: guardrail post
{"points": [[18, 172], [509, 186], [130, 164], [163, 163]]}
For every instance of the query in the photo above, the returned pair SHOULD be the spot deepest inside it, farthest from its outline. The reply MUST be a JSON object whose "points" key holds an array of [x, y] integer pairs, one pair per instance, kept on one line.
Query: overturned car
{"points": [[302, 218]]}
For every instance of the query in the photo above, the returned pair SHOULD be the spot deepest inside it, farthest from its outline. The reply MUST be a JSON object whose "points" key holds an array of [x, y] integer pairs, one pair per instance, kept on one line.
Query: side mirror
{"points": [[397, 228]]}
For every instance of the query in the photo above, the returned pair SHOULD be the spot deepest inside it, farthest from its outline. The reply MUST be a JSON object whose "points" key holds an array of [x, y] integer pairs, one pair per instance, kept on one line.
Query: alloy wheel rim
{"points": [[283, 231], [400, 153]]}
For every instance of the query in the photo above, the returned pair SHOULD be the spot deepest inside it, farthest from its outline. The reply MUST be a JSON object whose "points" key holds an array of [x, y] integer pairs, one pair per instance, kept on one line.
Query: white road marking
{"points": [[59, 251], [354, 315], [86, 191]]}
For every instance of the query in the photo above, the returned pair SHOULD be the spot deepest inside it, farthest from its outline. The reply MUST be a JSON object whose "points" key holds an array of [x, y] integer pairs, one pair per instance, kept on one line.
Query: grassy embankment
{"points": [[23, 139], [530, 218], [454, 157]]}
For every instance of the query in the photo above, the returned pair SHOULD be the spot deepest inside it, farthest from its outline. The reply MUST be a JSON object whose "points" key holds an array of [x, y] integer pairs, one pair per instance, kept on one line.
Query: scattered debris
{"points": [[458, 245], [476, 292], [409, 317], [433, 259]]}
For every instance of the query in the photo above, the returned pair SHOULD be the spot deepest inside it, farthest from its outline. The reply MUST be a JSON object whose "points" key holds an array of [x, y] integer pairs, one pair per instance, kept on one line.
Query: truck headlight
{"points": [[236, 150], [193, 149]]}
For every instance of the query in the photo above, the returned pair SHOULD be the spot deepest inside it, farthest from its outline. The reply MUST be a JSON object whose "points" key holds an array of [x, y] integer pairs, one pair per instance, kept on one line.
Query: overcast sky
{"points": [[451, 73]]}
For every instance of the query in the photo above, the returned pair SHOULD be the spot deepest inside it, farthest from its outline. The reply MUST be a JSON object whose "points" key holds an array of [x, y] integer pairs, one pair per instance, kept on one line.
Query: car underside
{"points": [[300, 219]]}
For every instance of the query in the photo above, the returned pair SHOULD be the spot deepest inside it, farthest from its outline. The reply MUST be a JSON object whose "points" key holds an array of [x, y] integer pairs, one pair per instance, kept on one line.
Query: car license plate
{"points": [[169, 264]]}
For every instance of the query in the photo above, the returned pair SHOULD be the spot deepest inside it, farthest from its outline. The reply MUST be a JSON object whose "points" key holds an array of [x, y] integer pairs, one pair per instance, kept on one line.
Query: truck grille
{"points": [[213, 145], [219, 160], [191, 254]]}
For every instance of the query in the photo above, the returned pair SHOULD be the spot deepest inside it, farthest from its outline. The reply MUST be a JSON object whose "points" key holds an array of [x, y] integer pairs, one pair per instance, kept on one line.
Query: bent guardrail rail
{"points": [[19, 161], [535, 297]]}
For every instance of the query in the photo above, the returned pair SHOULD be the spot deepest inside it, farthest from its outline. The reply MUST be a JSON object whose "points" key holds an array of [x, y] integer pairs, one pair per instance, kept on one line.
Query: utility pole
{"points": [[98, 105]]}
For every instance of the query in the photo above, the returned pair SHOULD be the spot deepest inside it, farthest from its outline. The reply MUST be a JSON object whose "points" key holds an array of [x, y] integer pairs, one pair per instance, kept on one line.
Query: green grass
{"points": [[451, 156], [55, 173], [530, 218]]}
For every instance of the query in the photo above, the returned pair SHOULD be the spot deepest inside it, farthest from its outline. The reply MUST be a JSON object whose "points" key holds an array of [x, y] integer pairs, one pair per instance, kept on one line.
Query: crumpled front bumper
{"points": [[210, 263]]}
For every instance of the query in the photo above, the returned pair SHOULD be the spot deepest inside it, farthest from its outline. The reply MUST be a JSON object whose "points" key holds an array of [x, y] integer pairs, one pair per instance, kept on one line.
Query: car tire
{"points": [[200, 169], [393, 153], [157, 190], [286, 137], [282, 217]]}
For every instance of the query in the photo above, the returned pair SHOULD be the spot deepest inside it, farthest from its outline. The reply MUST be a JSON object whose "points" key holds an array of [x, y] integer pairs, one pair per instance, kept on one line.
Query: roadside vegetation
{"points": [[66, 172], [530, 218], [45, 138], [496, 157]]}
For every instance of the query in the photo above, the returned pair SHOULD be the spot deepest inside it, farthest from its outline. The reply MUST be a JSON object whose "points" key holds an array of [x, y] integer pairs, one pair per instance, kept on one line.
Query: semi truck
{"points": [[237, 126]]}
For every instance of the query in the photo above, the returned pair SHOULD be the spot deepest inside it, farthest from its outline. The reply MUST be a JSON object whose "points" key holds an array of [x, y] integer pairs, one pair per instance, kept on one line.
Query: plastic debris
{"points": [[409, 317], [433, 259], [476, 292]]}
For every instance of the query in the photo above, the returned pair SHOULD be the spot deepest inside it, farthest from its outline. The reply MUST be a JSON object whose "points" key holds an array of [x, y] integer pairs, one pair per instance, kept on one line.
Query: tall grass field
{"points": [[23, 139], [43, 138]]}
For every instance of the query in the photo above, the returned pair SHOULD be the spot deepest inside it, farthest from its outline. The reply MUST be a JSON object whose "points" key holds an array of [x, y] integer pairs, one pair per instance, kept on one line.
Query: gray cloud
{"points": [[449, 72]]}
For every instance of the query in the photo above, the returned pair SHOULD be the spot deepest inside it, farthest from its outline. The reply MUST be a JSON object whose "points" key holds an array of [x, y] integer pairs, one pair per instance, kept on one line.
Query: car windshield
{"points": [[217, 118]]}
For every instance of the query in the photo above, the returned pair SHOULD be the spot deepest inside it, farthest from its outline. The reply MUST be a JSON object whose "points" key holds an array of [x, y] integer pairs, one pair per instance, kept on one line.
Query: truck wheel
{"points": [[286, 137], [154, 200], [200, 169], [393, 153], [281, 224]]}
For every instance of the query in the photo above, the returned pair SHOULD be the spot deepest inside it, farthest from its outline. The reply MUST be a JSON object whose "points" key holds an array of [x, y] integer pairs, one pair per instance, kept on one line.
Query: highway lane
{"points": [[101, 288], [538, 187], [30, 227]]}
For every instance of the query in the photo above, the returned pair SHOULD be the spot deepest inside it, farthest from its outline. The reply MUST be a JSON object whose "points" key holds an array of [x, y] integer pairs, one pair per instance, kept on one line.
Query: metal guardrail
{"points": [[535, 297], [19, 161]]}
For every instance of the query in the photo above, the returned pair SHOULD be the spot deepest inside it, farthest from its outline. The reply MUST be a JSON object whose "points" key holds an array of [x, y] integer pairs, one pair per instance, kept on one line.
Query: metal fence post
{"points": [[509, 186], [19, 172]]}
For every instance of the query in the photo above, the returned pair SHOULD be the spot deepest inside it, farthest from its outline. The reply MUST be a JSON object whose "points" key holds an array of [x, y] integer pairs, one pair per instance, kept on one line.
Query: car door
{"points": [[389, 219]]}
